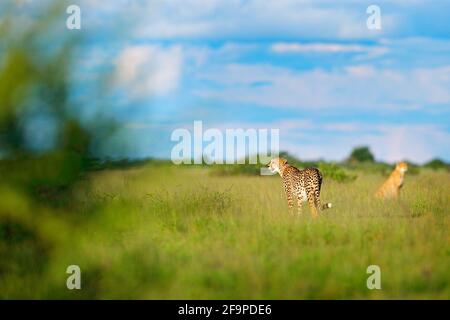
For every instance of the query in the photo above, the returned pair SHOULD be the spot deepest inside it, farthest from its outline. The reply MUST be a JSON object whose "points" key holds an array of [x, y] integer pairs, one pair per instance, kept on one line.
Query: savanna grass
{"points": [[181, 233]]}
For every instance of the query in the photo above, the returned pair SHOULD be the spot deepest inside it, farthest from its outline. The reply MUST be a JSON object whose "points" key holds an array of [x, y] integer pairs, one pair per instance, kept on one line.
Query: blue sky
{"points": [[310, 68]]}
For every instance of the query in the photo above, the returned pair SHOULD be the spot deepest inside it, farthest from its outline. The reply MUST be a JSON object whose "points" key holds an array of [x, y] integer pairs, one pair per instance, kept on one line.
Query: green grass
{"points": [[170, 232]]}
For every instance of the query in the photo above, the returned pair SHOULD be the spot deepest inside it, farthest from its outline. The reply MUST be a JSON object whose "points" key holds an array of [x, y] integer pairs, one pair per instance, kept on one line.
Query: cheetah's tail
{"points": [[326, 206]]}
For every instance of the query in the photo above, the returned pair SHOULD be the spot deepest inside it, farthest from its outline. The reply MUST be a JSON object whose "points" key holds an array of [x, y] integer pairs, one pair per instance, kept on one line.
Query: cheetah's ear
{"points": [[283, 161]]}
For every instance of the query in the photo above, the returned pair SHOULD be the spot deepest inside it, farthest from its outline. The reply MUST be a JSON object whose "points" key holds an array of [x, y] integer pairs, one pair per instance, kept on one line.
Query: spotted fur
{"points": [[391, 187], [302, 185]]}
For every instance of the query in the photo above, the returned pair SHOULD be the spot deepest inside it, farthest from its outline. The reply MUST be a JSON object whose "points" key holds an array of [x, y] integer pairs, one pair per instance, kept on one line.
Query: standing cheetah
{"points": [[303, 184], [391, 187]]}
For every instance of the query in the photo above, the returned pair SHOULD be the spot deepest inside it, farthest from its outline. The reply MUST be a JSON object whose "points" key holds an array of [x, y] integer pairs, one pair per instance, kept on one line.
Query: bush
{"points": [[235, 169], [437, 164], [413, 168], [335, 172]]}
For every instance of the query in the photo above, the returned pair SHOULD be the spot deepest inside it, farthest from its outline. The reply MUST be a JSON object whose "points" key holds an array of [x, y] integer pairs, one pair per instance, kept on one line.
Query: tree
{"points": [[361, 154], [436, 164]]}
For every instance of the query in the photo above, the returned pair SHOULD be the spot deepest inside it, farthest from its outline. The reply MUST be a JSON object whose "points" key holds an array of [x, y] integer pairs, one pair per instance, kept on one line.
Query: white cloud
{"points": [[220, 19], [362, 52], [388, 142], [358, 86], [283, 47], [417, 142], [145, 70], [310, 140]]}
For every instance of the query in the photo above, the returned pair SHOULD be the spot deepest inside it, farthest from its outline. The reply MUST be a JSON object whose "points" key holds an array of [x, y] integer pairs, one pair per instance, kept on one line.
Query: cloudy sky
{"points": [[310, 68]]}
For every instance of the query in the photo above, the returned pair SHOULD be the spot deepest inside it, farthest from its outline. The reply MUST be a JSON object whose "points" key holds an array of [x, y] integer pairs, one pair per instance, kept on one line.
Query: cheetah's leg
{"points": [[288, 191], [396, 193], [312, 204], [317, 200], [299, 204]]}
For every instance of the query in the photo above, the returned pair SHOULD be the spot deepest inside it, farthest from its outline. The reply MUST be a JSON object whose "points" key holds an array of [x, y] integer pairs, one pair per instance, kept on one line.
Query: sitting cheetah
{"points": [[391, 187], [303, 184]]}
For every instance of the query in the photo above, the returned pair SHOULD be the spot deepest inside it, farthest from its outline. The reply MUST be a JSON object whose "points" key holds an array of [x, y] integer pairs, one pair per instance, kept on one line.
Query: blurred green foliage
{"points": [[335, 172], [35, 84], [37, 206], [437, 164]]}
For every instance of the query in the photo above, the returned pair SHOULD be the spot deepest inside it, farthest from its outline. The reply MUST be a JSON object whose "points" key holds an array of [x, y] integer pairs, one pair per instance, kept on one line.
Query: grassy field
{"points": [[166, 232]]}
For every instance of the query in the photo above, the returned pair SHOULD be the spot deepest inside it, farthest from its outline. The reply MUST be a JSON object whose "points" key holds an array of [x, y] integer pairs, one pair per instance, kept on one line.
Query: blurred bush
{"points": [[45, 146], [437, 164], [235, 169], [335, 172]]}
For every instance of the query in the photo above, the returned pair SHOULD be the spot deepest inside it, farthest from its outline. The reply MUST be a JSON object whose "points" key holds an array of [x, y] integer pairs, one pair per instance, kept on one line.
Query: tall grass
{"points": [[170, 232]]}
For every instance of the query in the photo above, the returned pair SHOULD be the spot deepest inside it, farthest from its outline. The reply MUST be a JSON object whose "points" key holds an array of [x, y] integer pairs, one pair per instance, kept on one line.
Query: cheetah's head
{"points": [[402, 167], [275, 165]]}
